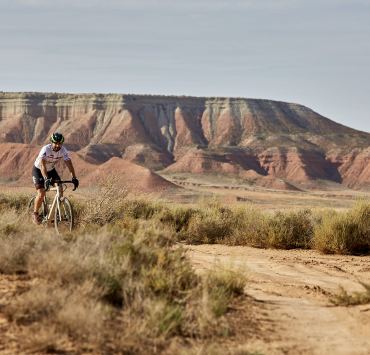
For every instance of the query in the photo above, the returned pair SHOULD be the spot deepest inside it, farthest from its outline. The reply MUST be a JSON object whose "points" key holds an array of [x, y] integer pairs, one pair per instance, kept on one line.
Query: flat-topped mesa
{"points": [[157, 131], [201, 121]]}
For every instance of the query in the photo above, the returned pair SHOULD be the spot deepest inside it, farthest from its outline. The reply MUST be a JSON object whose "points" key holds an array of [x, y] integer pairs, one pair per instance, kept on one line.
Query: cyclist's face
{"points": [[56, 146]]}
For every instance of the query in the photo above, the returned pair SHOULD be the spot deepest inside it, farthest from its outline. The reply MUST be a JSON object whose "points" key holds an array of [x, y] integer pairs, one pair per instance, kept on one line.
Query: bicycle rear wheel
{"points": [[43, 212], [63, 218]]}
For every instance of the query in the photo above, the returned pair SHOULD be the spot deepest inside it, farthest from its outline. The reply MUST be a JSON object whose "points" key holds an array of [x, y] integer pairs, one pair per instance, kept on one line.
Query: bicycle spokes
{"points": [[63, 216]]}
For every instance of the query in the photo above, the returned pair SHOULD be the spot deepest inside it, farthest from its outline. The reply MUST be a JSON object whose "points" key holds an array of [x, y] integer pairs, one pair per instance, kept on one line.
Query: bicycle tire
{"points": [[63, 216], [44, 208]]}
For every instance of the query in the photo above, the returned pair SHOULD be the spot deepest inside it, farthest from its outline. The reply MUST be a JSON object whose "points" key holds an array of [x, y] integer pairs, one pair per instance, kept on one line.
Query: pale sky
{"points": [[312, 52]]}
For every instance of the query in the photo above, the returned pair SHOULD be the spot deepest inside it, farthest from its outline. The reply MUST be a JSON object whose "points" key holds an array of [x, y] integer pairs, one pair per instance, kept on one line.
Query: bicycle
{"points": [[59, 212]]}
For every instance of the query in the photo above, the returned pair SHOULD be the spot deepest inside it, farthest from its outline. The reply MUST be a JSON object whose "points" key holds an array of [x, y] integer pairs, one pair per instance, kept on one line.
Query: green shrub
{"points": [[211, 224], [232, 226], [250, 228], [290, 230]]}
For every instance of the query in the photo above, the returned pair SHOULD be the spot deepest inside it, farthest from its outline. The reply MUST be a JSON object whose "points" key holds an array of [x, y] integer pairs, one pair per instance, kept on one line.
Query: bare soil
{"points": [[293, 290], [289, 309]]}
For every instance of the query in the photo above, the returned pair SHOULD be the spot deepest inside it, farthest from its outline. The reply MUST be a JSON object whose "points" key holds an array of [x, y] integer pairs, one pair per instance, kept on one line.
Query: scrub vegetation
{"points": [[121, 282]]}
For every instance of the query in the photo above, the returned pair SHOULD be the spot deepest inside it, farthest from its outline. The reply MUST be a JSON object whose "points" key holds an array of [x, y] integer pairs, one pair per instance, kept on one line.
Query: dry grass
{"points": [[214, 223], [343, 298], [16, 201], [106, 205], [210, 222], [344, 232], [132, 287], [16, 238], [290, 230], [121, 283]]}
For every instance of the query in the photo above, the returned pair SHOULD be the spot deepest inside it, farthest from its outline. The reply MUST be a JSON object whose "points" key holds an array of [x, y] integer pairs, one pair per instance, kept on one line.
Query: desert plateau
{"points": [[201, 226]]}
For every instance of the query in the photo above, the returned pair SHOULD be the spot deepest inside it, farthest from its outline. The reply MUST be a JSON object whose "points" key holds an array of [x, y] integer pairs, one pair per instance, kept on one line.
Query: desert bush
{"points": [[344, 232], [251, 228], [71, 312], [212, 223], [209, 302], [217, 224], [17, 201], [137, 279], [288, 230], [105, 206], [177, 217], [163, 318], [17, 238], [144, 263], [140, 208]]}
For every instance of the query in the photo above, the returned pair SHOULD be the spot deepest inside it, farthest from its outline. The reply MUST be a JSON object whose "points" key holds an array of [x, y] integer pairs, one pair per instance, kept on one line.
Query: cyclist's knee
{"points": [[41, 192]]}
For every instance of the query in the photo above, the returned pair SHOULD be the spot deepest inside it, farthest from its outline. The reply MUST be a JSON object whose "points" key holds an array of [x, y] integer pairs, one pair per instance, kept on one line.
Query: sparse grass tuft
{"points": [[222, 286], [343, 298]]}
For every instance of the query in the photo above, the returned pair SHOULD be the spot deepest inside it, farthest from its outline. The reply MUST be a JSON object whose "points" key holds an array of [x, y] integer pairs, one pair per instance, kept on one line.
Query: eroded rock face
{"points": [[222, 135]]}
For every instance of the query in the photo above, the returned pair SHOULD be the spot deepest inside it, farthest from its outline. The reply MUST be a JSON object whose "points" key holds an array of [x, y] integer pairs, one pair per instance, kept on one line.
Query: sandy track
{"points": [[293, 290]]}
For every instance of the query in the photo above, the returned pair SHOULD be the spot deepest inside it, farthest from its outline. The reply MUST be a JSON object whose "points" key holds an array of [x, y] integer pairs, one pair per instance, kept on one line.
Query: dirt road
{"points": [[293, 289]]}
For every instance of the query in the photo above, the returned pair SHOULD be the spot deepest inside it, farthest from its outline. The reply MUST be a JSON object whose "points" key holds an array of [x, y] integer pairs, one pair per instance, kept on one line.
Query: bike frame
{"points": [[56, 201]]}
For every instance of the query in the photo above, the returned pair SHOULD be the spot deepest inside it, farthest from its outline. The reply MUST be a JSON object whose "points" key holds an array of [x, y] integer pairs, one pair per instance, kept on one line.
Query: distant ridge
{"points": [[232, 136]]}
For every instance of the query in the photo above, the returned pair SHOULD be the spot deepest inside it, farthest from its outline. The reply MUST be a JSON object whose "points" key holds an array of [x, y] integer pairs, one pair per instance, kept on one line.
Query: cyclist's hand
{"points": [[47, 184], [75, 182]]}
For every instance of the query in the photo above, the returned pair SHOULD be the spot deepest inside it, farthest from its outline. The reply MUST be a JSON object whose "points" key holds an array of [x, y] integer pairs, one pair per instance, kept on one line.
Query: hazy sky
{"points": [[312, 52]]}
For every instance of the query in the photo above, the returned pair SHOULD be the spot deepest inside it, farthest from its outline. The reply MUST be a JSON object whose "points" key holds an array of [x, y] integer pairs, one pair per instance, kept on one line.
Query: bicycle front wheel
{"points": [[63, 218]]}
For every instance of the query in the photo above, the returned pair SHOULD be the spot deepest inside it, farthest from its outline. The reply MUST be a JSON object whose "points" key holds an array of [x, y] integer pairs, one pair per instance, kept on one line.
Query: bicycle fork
{"points": [[55, 205]]}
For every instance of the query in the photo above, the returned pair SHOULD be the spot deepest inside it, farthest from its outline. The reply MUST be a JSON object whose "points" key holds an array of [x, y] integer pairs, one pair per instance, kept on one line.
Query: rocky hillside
{"points": [[234, 136]]}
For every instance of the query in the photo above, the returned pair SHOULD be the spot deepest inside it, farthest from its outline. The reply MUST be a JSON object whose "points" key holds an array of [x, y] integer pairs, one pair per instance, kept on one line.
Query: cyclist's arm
{"points": [[70, 167], [43, 169]]}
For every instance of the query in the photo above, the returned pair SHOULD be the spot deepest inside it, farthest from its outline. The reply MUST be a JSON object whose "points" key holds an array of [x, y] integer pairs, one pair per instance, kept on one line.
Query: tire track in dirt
{"points": [[293, 287]]}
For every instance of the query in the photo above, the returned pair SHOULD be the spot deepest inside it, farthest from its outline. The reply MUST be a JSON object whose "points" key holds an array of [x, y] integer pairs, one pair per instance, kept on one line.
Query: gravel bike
{"points": [[59, 212]]}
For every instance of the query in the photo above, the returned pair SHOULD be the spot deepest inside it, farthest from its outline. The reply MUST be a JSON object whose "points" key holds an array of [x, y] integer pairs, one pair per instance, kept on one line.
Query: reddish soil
{"points": [[16, 161]]}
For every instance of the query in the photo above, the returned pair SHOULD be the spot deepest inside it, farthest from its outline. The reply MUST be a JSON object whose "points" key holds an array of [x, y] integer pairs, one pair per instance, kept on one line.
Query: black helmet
{"points": [[57, 138]]}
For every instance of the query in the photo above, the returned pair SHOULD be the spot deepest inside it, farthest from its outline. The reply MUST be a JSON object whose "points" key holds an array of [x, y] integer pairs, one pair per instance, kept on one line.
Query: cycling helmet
{"points": [[57, 138]]}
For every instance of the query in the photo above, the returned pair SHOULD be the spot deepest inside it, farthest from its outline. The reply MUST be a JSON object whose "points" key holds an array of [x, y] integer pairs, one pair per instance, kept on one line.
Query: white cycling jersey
{"points": [[50, 157]]}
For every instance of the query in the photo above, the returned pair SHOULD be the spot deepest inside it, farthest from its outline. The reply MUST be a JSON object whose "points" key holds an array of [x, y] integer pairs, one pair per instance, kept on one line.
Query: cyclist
{"points": [[44, 173]]}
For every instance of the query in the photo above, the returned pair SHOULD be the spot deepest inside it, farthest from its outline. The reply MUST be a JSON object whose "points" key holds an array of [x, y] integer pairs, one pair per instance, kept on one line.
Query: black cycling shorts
{"points": [[38, 179]]}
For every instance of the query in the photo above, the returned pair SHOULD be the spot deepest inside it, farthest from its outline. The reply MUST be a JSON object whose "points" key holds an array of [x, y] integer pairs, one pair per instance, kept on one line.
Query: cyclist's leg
{"points": [[53, 174], [38, 181]]}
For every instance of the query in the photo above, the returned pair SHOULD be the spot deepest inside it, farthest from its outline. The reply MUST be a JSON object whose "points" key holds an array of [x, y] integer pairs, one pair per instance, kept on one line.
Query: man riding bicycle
{"points": [[44, 173]]}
